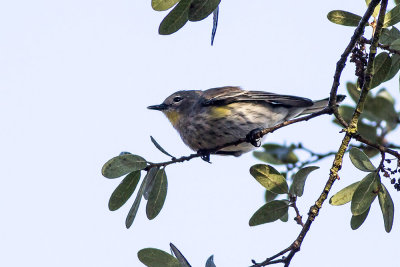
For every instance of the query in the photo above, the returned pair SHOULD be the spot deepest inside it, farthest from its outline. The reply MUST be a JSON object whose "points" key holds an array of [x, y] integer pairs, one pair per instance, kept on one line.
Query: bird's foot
{"points": [[254, 137], [204, 155]]}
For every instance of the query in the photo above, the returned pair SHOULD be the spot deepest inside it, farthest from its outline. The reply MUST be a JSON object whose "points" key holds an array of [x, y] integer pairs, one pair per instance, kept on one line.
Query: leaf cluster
{"points": [[183, 11], [276, 184], [362, 193], [153, 187], [153, 257]]}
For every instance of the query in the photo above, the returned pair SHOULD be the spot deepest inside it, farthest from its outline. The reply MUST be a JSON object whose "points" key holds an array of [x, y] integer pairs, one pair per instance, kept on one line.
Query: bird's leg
{"points": [[204, 155], [254, 137]]}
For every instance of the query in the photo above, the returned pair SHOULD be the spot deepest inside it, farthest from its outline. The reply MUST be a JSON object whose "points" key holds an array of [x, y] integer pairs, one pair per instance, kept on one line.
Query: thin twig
{"points": [[382, 46]]}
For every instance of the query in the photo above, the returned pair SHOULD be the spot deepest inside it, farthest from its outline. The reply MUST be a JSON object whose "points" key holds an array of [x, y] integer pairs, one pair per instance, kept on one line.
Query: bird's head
{"points": [[177, 104]]}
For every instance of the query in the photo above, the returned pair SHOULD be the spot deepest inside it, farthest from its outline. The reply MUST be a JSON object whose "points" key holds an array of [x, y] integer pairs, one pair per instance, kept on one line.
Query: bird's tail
{"points": [[321, 104]]}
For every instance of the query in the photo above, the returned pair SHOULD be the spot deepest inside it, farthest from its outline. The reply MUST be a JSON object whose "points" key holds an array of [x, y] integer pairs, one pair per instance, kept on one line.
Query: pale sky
{"points": [[75, 80]]}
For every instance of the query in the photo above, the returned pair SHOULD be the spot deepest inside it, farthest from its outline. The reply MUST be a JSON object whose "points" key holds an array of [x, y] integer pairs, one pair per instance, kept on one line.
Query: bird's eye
{"points": [[177, 99]]}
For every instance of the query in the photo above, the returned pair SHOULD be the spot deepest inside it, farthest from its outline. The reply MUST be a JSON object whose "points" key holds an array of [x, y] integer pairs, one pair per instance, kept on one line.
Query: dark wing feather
{"points": [[229, 94]]}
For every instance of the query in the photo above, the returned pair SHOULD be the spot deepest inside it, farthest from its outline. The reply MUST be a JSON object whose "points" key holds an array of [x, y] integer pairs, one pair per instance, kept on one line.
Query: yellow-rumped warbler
{"points": [[218, 116]]}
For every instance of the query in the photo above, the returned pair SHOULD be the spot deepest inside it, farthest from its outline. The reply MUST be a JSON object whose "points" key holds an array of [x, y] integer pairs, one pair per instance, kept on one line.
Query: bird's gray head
{"points": [[178, 103]]}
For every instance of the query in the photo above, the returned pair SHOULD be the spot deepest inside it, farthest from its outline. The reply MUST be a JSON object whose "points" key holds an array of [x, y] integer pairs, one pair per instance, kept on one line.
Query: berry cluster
{"points": [[389, 173], [360, 59]]}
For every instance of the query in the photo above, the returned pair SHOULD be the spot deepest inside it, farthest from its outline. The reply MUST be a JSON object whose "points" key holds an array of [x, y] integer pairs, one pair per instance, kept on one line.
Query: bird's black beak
{"points": [[158, 107]]}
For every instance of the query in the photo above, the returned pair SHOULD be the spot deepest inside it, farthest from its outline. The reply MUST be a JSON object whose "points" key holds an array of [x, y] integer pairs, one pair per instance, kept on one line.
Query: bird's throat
{"points": [[173, 117]]}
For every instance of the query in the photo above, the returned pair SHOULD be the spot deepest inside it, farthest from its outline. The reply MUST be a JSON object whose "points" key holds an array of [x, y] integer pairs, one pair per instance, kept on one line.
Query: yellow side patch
{"points": [[172, 116], [220, 112]]}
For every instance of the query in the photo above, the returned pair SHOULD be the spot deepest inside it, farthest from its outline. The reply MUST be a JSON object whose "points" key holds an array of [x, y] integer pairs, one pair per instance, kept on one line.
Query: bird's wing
{"points": [[230, 94]]}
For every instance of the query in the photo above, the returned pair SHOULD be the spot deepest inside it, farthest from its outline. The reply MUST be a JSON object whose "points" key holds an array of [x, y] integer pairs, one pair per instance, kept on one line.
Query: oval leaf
{"points": [[124, 191], [382, 64], [153, 257], [161, 5], [344, 18], [269, 196], [123, 164], [388, 36], [344, 196], [376, 10], [365, 194], [360, 160], [157, 195], [175, 19], [392, 17], [394, 68], [182, 260], [270, 212], [132, 212], [270, 178], [387, 208], [157, 145], [210, 262], [201, 9], [150, 176], [357, 221], [299, 180], [353, 91], [285, 217]]}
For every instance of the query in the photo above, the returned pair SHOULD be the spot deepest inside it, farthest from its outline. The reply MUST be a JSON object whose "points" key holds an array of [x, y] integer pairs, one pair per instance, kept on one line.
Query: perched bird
{"points": [[218, 116]]}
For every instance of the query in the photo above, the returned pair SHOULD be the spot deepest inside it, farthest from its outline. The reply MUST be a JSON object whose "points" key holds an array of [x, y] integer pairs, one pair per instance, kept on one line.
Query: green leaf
{"points": [[382, 64], [157, 195], [346, 112], [150, 176], [387, 208], [357, 220], [394, 68], [175, 19], [344, 196], [182, 260], [365, 194], [161, 5], [376, 10], [370, 151], [299, 180], [277, 154], [270, 212], [389, 36], [201, 9], [383, 109], [392, 17], [395, 44], [132, 212], [123, 164], [153, 257], [285, 218], [270, 178], [269, 196], [210, 262], [344, 18], [353, 91], [157, 145], [368, 131], [124, 191], [360, 160]]}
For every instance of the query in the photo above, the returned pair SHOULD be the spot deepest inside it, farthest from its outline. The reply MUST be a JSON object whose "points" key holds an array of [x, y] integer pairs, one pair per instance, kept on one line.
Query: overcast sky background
{"points": [[75, 80]]}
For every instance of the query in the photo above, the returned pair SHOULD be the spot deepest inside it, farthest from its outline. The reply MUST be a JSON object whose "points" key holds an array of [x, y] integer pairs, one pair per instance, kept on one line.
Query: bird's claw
{"points": [[204, 155], [254, 137]]}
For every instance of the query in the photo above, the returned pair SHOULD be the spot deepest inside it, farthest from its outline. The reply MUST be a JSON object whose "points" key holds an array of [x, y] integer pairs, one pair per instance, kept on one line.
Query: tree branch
{"points": [[351, 128], [358, 32], [259, 134]]}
